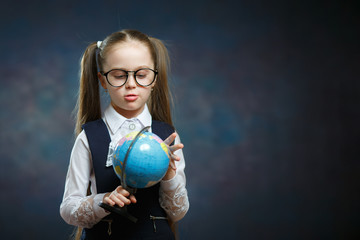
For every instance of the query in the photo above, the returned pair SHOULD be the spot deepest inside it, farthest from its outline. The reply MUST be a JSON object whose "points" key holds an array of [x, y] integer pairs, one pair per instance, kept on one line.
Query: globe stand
{"points": [[123, 210]]}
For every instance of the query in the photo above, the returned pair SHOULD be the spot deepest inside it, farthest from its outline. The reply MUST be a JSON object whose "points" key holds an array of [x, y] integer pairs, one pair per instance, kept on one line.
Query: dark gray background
{"points": [[266, 103]]}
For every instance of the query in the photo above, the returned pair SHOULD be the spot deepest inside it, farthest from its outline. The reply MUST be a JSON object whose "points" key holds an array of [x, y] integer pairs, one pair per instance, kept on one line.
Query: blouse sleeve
{"points": [[77, 208], [173, 193]]}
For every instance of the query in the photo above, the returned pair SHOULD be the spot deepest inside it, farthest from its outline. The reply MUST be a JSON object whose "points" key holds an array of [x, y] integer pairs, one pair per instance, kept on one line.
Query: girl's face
{"points": [[129, 100]]}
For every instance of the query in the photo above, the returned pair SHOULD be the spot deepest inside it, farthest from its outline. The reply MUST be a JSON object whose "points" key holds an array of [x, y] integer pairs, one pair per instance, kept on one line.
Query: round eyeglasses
{"points": [[118, 77]]}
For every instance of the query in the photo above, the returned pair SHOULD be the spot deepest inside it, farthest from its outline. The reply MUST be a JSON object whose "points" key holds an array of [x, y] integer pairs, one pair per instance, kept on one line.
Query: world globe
{"points": [[147, 160]]}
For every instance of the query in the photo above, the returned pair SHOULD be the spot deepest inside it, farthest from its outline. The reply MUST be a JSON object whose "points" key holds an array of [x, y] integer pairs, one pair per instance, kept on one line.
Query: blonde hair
{"points": [[88, 106]]}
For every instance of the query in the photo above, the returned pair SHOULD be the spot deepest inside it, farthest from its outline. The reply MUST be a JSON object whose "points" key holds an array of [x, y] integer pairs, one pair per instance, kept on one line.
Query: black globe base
{"points": [[120, 211]]}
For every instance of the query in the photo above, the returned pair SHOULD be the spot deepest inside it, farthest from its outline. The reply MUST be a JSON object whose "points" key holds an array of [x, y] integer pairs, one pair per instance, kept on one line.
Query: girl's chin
{"points": [[129, 111]]}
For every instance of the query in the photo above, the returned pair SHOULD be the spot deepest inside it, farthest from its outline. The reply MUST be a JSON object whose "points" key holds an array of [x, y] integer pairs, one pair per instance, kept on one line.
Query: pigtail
{"points": [[88, 104], [160, 100]]}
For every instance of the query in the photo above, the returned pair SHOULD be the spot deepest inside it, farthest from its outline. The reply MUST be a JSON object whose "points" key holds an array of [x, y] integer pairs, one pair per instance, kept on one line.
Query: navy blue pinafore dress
{"points": [[115, 226]]}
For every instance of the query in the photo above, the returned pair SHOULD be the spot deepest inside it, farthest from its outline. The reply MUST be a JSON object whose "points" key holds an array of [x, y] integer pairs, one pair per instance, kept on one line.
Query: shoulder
{"points": [[81, 142], [96, 133], [93, 124]]}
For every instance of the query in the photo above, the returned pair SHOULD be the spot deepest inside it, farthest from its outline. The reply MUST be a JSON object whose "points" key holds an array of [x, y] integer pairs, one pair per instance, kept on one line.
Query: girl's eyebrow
{"points": [[127, 69]]}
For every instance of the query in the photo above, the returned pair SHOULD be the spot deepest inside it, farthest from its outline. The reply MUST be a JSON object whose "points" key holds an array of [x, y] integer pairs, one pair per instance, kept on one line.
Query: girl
{"points": [[132, 68]]}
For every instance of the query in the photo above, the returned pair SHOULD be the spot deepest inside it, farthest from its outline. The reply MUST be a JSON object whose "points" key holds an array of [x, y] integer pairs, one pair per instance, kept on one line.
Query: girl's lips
{"points": [[131, 97]]}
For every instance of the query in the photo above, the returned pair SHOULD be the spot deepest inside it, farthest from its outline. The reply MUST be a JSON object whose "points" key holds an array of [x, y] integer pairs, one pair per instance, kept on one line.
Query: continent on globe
{"points": [[147, 162]]}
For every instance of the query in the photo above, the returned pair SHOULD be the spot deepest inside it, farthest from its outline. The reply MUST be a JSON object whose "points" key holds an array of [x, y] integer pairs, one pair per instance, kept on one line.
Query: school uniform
{"points": [[89, 162]]}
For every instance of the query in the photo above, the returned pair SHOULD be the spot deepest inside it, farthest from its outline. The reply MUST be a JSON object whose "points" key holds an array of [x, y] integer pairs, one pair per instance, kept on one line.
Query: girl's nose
{"points": [[131, 83]]}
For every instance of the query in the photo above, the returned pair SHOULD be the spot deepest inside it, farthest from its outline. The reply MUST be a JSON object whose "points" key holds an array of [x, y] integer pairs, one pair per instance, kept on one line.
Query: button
{"points": [[132, 126]]}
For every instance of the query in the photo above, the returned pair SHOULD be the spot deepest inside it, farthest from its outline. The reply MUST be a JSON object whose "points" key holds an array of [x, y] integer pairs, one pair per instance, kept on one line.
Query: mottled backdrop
{"points": [[266, 102]]}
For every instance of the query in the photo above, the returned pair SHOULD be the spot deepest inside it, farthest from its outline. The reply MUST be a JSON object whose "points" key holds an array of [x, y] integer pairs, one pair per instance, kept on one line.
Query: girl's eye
{"points": [[140, 76], [120, 77]]}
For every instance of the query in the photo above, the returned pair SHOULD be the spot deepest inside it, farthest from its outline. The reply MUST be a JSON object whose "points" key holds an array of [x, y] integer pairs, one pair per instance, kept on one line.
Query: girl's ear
{"points": [[102, 80]]}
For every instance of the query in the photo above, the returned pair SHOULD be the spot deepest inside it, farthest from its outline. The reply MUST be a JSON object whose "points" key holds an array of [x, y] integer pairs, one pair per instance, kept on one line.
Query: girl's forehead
{"points": [[128, 44], [128, 54]]}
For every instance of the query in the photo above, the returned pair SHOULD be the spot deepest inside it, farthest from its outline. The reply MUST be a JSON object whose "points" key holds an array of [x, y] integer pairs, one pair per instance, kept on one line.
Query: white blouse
{"points": [[81, 210]]}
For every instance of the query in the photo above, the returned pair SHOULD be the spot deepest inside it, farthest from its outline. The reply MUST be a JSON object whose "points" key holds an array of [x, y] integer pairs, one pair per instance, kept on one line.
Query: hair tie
{"points": [[99, 44]]}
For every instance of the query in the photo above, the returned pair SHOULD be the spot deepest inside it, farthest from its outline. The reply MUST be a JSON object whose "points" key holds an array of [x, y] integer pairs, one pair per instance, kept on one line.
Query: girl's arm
{"points": [[173, 193], [77, 208]]}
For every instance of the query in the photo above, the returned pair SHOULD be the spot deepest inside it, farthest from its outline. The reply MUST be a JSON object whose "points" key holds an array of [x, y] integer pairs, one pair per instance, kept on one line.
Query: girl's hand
{"points": [[120, 197], [172, 167]]}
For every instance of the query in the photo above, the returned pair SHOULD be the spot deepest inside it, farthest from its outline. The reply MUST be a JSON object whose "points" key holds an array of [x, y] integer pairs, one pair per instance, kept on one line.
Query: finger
{"points": [[121, 194], [172, 165], [108, 201], [119, 199], [174, 157], [116, 200], [123, 191], [176, 147], [119, 189], [132, 199], [170, 139]]}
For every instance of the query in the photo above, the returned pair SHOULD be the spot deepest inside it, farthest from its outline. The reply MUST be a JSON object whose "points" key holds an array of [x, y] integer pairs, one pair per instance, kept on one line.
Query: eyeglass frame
{"points": [[127, 76]]}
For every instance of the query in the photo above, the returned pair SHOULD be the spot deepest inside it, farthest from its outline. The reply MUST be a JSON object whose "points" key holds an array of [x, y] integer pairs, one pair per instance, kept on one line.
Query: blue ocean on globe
{"points": [[147, 162]]}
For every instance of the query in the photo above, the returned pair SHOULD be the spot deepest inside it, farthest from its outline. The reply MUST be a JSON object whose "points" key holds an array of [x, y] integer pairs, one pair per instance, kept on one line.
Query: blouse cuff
{"points": [[171, 184], [99, 211]]}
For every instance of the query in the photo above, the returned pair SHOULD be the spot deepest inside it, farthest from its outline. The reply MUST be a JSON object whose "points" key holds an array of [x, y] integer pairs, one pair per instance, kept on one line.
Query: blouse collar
{"points": [[115, 120]]}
